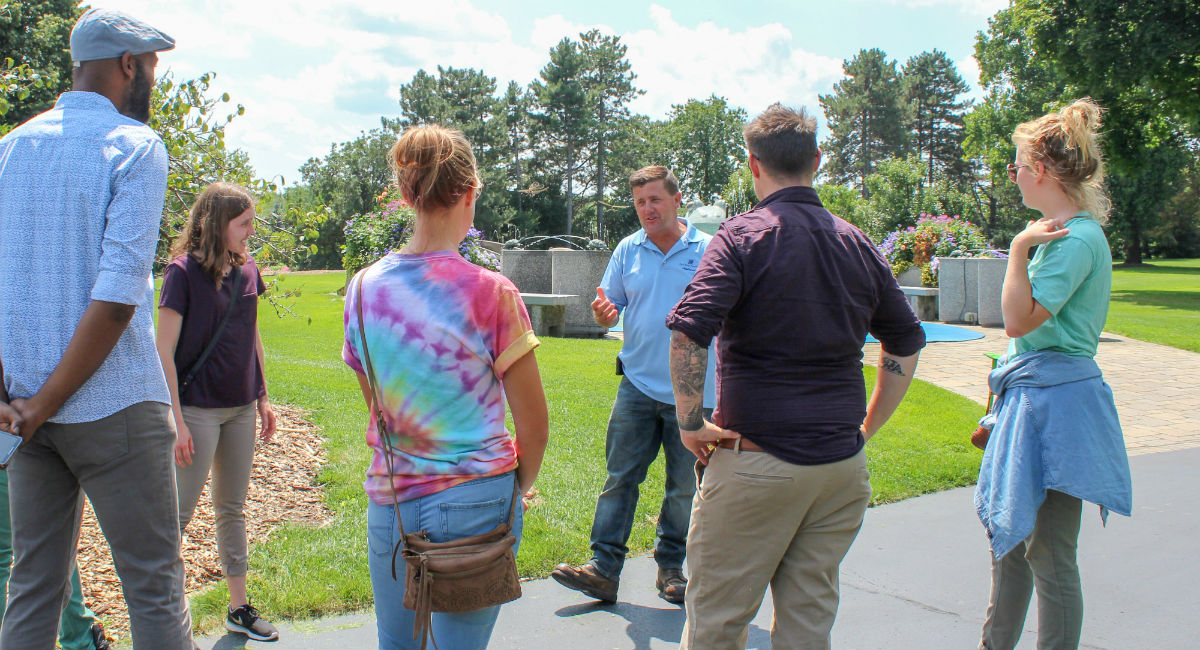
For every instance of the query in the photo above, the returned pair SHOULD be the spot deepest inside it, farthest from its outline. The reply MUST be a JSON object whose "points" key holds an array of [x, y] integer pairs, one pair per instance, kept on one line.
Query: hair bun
{"points": [[433, 166], [1080, 119]]}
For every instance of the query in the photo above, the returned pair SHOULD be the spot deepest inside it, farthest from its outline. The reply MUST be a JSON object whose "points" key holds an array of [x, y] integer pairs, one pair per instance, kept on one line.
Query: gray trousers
{"points": [[223, 439], [125, 465], [1045, 561]]}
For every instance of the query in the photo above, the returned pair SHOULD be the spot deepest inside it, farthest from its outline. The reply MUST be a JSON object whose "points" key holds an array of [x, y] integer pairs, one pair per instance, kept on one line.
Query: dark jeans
{"points": [[638, 426]]}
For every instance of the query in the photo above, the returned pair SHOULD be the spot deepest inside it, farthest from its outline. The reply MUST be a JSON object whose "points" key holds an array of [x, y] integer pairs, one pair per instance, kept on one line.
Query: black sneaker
{"points": [[99, 638], [245, 620]]}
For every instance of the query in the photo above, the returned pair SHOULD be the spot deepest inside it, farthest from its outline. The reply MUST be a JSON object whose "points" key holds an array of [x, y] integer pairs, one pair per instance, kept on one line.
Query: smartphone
{"points": [[9, 442]]}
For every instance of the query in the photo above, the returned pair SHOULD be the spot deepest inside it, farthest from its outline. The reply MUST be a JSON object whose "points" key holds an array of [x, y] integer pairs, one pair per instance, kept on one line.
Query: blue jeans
{"points": [[638, 426], [470, 508]]}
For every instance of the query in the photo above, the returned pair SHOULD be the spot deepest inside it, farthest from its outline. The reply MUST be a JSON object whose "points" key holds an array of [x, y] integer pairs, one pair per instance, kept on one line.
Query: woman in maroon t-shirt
{"points": [[214, 398]]}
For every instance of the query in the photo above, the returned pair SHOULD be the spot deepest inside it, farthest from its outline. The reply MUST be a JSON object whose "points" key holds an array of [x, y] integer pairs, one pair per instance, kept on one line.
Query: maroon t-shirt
{"points": [[793, 290], [231, 376]]}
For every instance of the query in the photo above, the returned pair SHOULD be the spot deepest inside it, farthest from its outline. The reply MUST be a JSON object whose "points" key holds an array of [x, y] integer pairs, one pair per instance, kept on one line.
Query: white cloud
{"points": [[968, 69], [306, 69], [752, 68]]}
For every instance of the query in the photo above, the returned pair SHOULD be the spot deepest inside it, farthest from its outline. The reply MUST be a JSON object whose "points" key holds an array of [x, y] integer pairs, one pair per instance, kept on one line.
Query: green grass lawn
{"points": [[304, 572], [1157, 302]]}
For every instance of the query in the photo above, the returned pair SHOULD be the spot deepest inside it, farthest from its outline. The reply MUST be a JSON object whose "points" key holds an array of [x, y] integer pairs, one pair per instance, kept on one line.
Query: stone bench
{"points": [[548, 311], [924, 301]]}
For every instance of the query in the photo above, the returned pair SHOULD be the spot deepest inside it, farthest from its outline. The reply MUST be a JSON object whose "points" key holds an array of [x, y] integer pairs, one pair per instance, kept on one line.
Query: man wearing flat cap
{"points": [[81, 198]]}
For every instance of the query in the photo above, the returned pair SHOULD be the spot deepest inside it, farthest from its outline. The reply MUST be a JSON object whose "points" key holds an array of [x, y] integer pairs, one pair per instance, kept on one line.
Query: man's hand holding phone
{"points": [[10, 430]]}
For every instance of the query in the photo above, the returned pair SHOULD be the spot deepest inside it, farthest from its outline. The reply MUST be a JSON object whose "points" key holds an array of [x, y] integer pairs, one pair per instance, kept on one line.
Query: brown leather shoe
{"points": [[672, 586], [587, 579]]}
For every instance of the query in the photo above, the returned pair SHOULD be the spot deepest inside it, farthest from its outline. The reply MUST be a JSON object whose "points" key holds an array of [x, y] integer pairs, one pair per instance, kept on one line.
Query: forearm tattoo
{"points": [[688, 365], [891, 365]]}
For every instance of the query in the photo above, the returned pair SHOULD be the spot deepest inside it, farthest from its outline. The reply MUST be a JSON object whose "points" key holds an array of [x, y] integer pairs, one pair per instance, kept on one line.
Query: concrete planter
{"points": [[578, 273], [969, 290], [990, 284], [911, 277], [529, 270]]}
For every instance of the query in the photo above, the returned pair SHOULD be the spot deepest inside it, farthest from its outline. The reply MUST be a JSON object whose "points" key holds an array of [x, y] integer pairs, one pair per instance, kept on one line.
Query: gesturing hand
{"points": [[603, 310]]}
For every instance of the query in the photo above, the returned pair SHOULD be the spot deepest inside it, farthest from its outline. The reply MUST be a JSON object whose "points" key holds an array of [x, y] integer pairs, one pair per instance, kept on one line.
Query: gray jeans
{"points": [[124, 464], [1045, 561], [223, 439]]}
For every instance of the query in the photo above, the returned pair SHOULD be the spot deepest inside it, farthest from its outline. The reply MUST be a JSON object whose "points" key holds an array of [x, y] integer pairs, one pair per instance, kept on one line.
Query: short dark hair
{"points": [[783, 139], [652, 173]]}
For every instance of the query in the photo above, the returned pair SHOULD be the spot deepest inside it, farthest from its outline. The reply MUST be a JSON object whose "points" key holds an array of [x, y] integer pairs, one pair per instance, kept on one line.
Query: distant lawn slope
{"points": [[305, 572], [1157, 302]]}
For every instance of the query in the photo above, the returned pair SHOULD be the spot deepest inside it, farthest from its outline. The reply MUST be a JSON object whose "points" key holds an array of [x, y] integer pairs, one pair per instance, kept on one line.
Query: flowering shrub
{"points": [[933, 237], [473, 251], [370, 236]]}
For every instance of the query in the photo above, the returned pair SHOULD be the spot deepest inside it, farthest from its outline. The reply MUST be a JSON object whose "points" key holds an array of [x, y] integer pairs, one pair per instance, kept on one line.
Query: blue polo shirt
{"points": [[644, 285]]}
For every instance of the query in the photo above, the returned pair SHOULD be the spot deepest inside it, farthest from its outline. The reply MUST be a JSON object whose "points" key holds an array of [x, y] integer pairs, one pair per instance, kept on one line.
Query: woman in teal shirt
{"points": [[1056, 440]]}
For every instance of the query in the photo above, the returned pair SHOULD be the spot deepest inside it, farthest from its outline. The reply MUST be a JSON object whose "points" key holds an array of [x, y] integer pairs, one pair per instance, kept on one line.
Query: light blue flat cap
{"points": [[108, 33]]}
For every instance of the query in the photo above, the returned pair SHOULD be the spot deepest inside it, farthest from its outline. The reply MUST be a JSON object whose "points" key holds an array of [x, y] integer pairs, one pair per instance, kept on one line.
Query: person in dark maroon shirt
{"points": [[215, 397], [792, 291]]}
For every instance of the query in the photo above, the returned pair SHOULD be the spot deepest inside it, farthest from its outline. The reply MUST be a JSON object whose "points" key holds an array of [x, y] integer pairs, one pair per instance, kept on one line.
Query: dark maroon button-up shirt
{"points": [[792, 291]]}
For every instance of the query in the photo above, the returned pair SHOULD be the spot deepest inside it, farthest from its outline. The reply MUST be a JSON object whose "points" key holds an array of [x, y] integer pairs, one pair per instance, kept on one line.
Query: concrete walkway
{"points": [[1155, 386], [918, 575], [916, 578]]}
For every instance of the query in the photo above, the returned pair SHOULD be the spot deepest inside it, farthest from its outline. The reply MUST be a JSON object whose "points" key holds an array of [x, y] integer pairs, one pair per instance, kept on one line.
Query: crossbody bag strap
{"points": [[234, 294], [380, 423]]}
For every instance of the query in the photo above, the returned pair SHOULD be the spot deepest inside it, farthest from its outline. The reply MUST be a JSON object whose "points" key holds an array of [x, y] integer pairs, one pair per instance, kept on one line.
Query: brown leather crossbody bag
{"points": [[460, 575]]}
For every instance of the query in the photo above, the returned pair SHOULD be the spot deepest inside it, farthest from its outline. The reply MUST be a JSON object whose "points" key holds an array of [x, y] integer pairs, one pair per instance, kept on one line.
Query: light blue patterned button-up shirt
{"points": [[81, 198]]}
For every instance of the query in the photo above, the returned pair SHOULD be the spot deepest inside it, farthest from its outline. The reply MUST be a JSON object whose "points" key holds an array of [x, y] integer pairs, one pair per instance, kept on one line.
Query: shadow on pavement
{"points": [[230, 641], [646, 623]]}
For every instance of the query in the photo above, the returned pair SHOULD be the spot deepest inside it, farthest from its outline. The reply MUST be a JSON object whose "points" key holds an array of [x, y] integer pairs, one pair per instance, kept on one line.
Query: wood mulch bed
{"points": [[282, 489]]}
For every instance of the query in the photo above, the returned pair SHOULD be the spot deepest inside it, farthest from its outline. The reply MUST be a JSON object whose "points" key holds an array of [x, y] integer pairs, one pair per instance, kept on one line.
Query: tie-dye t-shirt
{"points": [[441, 332]]}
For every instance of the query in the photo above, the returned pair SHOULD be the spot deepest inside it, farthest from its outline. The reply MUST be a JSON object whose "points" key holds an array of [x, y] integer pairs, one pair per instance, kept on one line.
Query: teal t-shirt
{"points": [[1072, 279]]}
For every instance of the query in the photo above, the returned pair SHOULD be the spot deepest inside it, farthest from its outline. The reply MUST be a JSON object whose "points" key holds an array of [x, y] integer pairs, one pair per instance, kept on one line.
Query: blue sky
{"points": [[314, 72]]}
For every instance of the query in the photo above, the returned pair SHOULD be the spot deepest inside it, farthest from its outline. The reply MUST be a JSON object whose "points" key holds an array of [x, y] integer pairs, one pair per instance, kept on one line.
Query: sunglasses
{"points": [[1012, 171]]}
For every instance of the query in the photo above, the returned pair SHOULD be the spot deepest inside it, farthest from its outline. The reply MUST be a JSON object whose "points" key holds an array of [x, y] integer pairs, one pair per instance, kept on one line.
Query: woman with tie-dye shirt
{"points": [[449, 342]]}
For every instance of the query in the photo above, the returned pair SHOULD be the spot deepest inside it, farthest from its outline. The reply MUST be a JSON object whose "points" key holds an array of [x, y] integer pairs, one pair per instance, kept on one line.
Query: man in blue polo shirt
{"points": [[646, 276]]}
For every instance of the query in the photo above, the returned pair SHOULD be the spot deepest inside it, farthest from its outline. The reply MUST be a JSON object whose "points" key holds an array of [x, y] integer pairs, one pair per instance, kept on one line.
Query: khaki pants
{"points": [[759, 521], [1045, 560], [125, 465], [223, 439]]}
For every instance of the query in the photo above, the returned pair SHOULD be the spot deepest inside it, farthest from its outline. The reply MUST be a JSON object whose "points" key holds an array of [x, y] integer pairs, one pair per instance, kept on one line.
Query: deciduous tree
{"points": [[36, 34], [703, 141]]}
